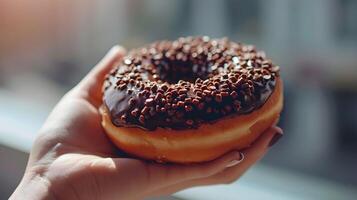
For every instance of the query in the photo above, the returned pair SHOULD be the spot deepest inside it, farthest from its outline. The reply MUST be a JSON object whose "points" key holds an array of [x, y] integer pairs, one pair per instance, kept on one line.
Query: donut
{"points": [[190, 100]]}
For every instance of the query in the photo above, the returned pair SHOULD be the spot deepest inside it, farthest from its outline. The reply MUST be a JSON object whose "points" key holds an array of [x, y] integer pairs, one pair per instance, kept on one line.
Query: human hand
{"points": [[73, 159]]}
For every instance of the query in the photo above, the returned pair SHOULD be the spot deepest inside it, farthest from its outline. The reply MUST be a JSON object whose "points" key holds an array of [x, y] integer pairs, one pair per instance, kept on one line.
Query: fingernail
{"points": [[276, 137], [239, 157]]}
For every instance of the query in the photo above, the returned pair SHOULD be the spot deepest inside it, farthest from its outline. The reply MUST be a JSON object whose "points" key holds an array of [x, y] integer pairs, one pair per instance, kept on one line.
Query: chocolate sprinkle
{"points": [[183, 83]]}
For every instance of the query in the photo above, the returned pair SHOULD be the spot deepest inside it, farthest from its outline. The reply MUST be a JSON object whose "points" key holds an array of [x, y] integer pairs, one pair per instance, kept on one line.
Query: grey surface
{"points": [[272, 183], [12, 167]]}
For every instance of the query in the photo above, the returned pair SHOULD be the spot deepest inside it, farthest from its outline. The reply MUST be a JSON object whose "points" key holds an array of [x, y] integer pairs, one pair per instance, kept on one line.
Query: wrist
{"points": [[34, 188]]}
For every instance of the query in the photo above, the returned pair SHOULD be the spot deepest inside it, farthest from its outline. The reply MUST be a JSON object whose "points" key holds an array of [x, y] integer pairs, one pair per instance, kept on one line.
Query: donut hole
{"points": [[172, 71]]}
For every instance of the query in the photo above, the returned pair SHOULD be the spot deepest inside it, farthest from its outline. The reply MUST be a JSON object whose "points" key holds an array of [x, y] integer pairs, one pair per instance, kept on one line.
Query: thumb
{"points": [[92, 83]]}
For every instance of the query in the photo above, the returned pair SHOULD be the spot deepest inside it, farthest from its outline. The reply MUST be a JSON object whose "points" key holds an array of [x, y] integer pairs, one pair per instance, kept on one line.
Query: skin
{"points": [[73, 159]]}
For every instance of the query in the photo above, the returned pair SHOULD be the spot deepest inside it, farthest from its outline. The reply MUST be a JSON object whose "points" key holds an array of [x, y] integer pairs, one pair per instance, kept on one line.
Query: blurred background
{"points": [[46, 47]]}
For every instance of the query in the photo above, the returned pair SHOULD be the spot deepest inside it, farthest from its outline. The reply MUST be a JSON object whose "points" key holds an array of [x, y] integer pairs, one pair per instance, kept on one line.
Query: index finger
{"points": [[166, 175], [230, 174]]}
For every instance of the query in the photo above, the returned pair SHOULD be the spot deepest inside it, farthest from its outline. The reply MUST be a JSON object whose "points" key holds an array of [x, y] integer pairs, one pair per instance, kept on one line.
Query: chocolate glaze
{"points": [[194, 87]]}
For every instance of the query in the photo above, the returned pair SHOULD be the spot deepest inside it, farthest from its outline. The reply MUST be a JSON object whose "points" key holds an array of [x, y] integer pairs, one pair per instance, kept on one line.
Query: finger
{"points": [[261, 146], [252, 155], [92, 83], [104, 66], [165, 175], [137, 175]]}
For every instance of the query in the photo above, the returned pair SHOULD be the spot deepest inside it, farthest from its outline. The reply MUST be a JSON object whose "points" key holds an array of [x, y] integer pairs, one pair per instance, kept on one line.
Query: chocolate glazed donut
{"points": [[190, 100]]}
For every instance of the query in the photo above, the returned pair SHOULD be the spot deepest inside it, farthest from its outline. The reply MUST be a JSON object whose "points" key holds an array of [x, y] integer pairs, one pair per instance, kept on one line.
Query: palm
{"points": [[75, 122], [73, 145], [85, 127]]}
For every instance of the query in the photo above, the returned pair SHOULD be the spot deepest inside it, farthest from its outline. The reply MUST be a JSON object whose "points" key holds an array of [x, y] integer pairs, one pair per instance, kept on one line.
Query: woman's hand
{"points": [[73, 159]]}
